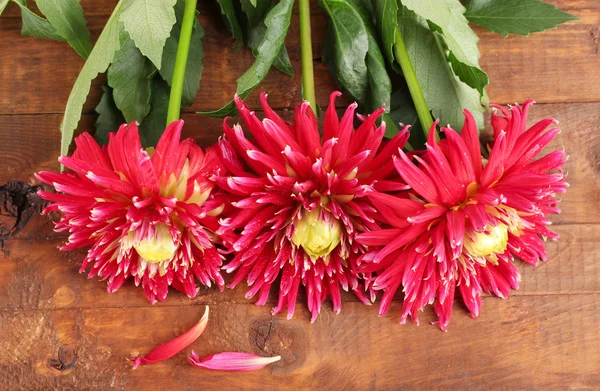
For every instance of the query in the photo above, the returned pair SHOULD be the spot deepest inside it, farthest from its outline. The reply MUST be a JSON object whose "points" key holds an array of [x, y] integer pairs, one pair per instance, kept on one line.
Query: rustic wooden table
{"points": [[62, 331]]}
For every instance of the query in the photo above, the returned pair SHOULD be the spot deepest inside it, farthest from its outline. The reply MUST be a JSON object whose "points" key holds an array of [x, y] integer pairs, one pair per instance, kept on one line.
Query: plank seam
{"points": [[233, 302]]}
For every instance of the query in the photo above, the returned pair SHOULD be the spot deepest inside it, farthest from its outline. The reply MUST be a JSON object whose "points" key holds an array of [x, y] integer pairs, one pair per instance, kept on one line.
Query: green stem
{"points": [[183, 48], [308, 75], [413, 84]]}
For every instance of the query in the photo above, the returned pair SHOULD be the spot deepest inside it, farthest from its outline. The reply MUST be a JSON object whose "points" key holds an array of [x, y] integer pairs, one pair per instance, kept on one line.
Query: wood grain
{"points": [[32, 143], [54, 282], [524, 343], [62, 331], [517, 72], [20, 75]]}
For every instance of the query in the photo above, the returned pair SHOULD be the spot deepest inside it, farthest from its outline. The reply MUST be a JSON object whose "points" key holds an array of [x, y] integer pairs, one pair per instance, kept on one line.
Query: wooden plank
{"points": [[105, 7], [48, 278], [31, 143], [519, 67], [545, 336], [581, 203], [570, 5], [90, 8], [554, 66], [50, 68], [525, 343]]}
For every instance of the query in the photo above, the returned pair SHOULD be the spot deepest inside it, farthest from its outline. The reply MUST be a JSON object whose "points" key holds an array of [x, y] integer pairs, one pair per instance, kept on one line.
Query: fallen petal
{"points": [[174, 346], [232, 361]]}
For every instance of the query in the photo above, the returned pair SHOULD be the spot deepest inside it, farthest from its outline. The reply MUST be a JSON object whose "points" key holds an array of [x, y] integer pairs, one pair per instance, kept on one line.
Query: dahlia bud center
{"points": [[492, 241], [158, 247], [317, 233]]}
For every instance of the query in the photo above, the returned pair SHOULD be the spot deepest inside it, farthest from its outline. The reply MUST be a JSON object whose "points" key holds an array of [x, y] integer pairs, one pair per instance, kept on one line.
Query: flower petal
{"points": [[232, 361], [174, 346]]}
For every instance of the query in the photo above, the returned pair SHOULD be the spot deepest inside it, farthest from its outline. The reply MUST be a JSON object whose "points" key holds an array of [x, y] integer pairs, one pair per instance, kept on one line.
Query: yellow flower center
{"points": [[317, 237], [492, 241], [159, 247]]}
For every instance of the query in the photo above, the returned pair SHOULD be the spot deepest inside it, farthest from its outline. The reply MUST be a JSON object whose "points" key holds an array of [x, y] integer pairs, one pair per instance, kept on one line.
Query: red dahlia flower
{"points": [[300, 200], [145, 213], [466, 218]]}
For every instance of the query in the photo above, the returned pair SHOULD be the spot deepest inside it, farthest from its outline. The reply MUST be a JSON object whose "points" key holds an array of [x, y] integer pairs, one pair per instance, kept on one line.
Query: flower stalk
{"points": [[413, 83], [183, 49], [308, 75]]}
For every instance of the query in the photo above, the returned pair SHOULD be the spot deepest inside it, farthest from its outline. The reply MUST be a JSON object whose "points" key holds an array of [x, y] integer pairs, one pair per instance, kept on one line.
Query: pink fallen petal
{"points": [[232, 361], [174, 346]]}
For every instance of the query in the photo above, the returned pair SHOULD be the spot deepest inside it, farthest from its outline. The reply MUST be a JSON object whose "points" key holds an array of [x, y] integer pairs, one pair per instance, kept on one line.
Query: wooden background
{"points": [[545, 336]]}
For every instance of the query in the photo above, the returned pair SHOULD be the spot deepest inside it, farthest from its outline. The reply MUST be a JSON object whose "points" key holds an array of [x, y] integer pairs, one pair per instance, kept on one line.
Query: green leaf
{"points": [[282, 61], [149, 24], [109, 117], [154, 124], [194, 67], [231, 20], [66, 16], [257, 11], [445, 94], [100, 58], [254, 29], [36, 26], [366, 9], [3, 4], [328, 53], [472, 75], [380, 85], [386, 14], [447, 18], [403, 112], [130, 77], [346, 47], [515, 16], [377, 85], [277, 22]]}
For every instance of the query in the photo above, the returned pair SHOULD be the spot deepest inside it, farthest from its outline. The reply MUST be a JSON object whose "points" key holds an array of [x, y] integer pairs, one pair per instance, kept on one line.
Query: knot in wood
{"points": [[270, 336], [66, 358]]}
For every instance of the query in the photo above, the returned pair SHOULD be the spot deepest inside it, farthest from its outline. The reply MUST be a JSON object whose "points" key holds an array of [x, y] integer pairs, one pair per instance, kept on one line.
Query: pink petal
{"points": [[470, 136], [232, 361], [416, 178], [330, 128], [174, 346], [166, 155]]}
